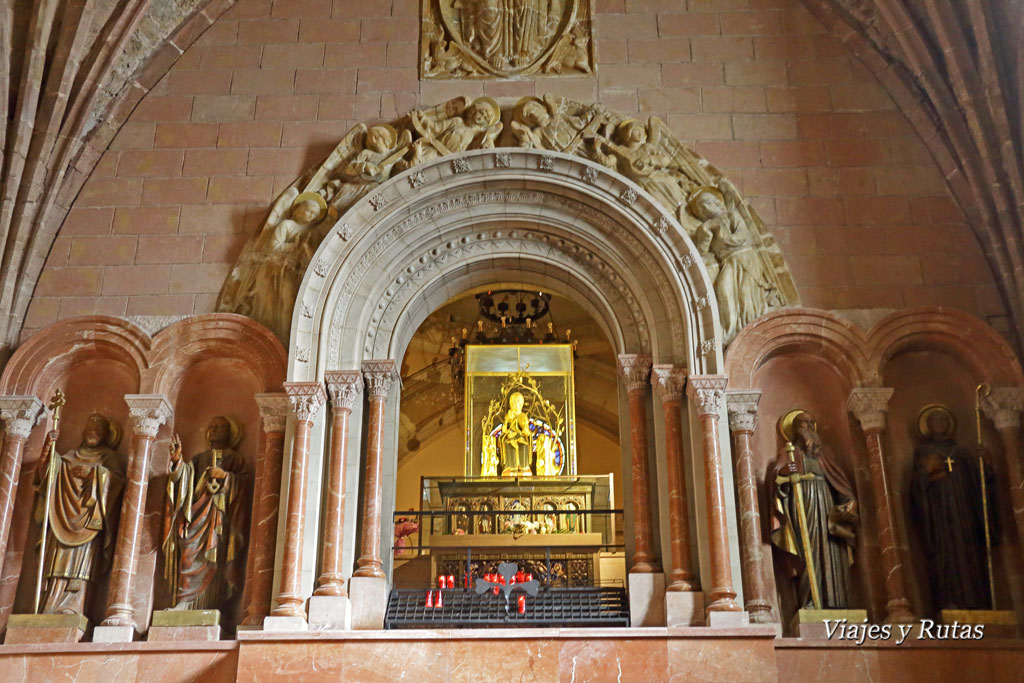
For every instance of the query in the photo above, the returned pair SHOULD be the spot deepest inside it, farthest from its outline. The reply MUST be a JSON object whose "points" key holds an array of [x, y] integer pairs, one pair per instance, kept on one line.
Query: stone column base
{"points": [[720, 619], [45, 628], [647, 599], [285, 624], [684, 608], [113, 634], [330, 613], [369, 600]]}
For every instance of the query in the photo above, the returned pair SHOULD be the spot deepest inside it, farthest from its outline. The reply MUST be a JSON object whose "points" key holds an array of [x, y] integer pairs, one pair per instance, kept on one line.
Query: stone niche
{"points": [[812, 359], [203, 365]]}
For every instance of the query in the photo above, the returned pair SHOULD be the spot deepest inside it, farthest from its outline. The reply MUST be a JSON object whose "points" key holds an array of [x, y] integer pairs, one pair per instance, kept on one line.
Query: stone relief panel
{"points": [[505, 38], [743, 260]]}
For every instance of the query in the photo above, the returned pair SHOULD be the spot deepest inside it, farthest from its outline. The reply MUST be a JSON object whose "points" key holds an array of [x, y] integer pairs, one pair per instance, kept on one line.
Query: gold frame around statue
{"points": [[522, 367]]}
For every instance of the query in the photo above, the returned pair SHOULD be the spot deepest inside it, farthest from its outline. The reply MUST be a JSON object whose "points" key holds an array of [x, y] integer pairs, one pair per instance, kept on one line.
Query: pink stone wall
{"points": [[756, 86]]}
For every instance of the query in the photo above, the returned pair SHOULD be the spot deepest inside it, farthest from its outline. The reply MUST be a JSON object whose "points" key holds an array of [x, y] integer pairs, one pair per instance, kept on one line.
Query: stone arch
{"points": [[411, 244]]}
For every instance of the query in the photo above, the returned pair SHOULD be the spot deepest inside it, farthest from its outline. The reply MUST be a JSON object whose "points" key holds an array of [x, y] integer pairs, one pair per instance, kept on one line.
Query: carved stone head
{"points": [[631, 133], [533, 113], [706, 203], [381, 138], [482, 113]]}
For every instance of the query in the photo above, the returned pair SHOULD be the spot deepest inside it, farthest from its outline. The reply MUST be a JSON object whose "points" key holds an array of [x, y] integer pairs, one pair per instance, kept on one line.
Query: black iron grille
{"points": [[467, 609]]}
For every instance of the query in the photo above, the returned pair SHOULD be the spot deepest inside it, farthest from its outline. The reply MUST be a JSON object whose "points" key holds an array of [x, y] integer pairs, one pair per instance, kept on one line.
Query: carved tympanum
{"points": [[502, 38], [743, 260]]}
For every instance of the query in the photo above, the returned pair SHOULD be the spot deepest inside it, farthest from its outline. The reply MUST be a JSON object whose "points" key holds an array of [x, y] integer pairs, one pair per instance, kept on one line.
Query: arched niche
{"points": [[537, 218]]}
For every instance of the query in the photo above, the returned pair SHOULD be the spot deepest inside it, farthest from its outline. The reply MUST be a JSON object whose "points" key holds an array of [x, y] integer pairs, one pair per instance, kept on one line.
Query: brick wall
{"points": [[756, 86]]}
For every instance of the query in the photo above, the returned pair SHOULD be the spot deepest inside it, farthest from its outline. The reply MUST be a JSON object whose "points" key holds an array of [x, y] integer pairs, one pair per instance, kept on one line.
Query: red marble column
{"points": [[147, 413], [869, 406], [707, 391], [19, 415], [635, 370], [344, 387], [1004, 406], [379, 376], [742, 407], [306, 399], [669, 381], [266, 502]]}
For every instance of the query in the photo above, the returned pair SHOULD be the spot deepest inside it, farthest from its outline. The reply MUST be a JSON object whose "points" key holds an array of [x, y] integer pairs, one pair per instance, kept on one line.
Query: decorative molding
{"points": [[742, 407], [1004, 406], [590, 174], [635, 369], [417, 179], [546, 163], [305, 398], [20, 414], [869, 405], [502, 160], [344, 232], [151, 324], [379, 374], [629, 196], [147, 412], [669, 381], [707, 392], [707, 346], [378, 201], [460, 165], [273, 412], [344, 386], [321, 267]]}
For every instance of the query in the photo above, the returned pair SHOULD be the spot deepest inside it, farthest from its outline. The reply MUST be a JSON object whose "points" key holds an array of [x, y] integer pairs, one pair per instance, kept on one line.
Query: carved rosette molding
{"points": [[742, 407], [380, 375], [635, 369], [305, 398], [707, 392], [669, 381], [273, 412], [20, 414], [1004, 406], [344, 386], [869, 405], [147, 412]]}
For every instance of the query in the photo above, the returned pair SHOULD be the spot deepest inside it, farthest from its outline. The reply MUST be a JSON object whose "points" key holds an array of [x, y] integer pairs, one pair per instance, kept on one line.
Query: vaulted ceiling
{"points": [[71, 71]]}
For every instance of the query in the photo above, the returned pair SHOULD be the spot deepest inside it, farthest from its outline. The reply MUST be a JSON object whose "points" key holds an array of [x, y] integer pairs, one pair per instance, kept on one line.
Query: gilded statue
{"points": [[814, 516], [946, 503], [77, 504], [516, 440], [205, 523], [744, 283], [503, 38]]}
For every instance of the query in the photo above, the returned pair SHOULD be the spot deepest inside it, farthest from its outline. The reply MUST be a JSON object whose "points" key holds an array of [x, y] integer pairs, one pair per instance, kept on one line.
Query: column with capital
{"points": [[742, 407], [870, 405], [635, 370], [707, 392], [329, 607], [1004, 406], [368, 590], [266, 501], [290, 614], [147, 414], [19, 415]]}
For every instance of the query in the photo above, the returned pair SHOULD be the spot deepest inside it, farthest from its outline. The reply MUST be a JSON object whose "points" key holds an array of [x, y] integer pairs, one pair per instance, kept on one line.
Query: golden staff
{"points": [[801, 516], [981, 391], [56, 403]]}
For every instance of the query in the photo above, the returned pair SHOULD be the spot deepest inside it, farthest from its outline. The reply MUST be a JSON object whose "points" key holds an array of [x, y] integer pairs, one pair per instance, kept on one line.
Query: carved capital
{"points": [[147, 412], [869, 405], [344, 387], [742, 407], [635, 368], [20, 414], [669, 381], [273, 411], [379, 374], [707, 392], [305, 398], [1003, 406]]}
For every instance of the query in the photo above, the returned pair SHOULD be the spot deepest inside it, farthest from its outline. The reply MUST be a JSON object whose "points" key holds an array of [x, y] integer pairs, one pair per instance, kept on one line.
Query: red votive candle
{"points": [[440, 600], [522, 604], [451, 581], [430, 599], [440, 581]]}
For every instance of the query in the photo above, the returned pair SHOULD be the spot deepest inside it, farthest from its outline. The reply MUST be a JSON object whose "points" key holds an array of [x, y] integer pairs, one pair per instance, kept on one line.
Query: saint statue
{"points": [[516, 440], [453, 127], [946, 503], [84, 487], [552, 123], [744, 283], [205, 524], [814, 516]]}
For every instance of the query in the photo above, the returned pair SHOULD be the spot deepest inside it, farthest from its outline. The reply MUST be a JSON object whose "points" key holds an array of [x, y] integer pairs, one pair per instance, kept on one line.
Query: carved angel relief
{"points": [[504, 38], [742, 258]]}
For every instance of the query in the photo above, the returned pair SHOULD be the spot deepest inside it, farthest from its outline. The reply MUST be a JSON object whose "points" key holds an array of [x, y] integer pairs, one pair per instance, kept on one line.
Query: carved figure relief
{"points": [[503, 38], [743, 260]]}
